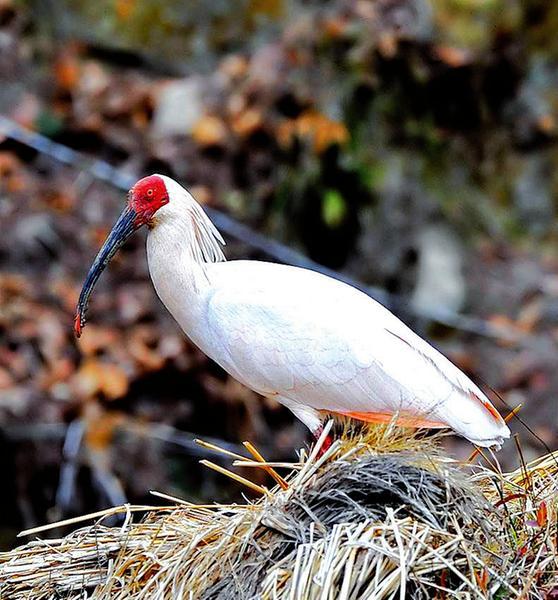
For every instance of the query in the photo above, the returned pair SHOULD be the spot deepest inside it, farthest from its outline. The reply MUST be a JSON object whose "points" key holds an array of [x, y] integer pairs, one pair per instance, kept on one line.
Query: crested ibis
{"points": [[316, 345]]}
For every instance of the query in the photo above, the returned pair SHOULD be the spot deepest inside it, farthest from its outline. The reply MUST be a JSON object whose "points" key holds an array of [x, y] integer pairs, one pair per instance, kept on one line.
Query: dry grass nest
{"points": [[379, 515]]}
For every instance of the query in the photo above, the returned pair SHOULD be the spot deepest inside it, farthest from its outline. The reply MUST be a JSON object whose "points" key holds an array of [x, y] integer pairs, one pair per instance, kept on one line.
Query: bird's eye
{"points": [[150, 192]]}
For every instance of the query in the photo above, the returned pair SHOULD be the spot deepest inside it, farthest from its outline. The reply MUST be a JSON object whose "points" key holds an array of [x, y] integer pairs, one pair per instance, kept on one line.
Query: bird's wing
{"points": [[331, 351], [278, 348], [328, 346]]}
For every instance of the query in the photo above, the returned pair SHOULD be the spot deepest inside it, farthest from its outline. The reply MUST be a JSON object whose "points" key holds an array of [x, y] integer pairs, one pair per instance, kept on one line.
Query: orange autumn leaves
{"points": [[37, 350], [12, 178], [210, 130], [95, 377], [112, 360], [312, 127]]}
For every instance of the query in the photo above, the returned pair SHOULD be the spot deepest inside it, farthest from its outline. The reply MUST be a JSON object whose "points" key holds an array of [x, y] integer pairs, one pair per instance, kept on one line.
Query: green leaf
{"points": [[334, 208]]}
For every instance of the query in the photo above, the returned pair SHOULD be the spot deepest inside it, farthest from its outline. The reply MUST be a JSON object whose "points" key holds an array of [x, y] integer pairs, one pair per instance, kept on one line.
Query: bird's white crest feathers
{"points": [[206, 246], [205, 239]]}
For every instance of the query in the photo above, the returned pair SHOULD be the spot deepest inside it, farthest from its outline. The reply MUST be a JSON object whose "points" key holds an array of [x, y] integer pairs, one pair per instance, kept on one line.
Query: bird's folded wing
{"points": [[331, 361], [315, 341]]}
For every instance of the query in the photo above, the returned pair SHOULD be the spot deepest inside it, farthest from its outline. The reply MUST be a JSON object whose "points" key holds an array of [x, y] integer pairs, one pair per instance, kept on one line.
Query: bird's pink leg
{"points": [[327, 441], [311, 417]]}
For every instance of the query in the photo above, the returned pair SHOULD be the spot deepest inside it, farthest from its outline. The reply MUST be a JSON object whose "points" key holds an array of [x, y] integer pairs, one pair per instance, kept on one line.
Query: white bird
{"points": [[314, 344]]}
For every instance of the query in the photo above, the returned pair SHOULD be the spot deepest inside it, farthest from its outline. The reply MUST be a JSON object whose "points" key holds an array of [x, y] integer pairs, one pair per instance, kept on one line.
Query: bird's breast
{"points": [[182, 286]]}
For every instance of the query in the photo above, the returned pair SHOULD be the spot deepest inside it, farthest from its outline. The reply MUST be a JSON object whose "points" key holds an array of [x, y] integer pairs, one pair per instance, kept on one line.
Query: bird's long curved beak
{"points": [[122, 230]]}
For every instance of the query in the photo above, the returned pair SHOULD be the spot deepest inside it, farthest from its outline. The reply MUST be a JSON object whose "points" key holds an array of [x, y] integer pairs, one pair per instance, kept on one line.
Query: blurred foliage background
{"points": [[411, 144]]}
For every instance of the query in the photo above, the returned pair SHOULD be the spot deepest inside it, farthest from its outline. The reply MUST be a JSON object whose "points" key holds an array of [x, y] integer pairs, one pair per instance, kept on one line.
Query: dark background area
{"points": [[409, 144]]}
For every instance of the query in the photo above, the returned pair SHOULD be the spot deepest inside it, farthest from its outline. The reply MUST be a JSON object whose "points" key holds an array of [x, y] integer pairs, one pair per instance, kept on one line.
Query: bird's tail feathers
{"points": [[473, 416]]}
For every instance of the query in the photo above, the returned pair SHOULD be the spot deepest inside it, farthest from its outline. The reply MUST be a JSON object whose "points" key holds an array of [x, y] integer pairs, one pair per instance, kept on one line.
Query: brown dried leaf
{"points": [[505, 324], [66, 69], [452, 56], [58, 371], [542, 514], [143, 346], [67, 294], [201, 193], [323, 131], [247, 122], [94, 378], [6, 380], [209, 131], [27, 110], [334, 27], [530, 315], [101, 427], [319, 129], [11, 173], [124, 9], [547, 124], [387, 45], [59, 200], [234, 66], [97, 339]]}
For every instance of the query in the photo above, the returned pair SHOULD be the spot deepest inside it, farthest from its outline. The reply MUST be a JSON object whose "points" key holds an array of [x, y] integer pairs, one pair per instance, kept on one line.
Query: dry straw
{"points": [[379, 515]]}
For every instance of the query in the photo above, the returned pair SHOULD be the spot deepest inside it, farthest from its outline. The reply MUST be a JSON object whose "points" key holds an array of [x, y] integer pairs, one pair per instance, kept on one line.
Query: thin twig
{"points": [[238, 478], [218, 449], [254, 452], [95, 515]]}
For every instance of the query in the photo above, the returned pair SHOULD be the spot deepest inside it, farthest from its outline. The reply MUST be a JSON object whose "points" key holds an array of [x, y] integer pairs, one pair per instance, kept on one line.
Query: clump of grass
{"points": [[380, 515]]}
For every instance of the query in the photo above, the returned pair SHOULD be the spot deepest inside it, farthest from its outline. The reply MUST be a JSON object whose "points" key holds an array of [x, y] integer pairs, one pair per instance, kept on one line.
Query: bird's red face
{"points": [[146, 197]]}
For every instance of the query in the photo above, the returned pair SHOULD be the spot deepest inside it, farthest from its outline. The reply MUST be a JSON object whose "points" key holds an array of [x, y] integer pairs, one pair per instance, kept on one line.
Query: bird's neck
{"points": [[179, 277], [180, 247]]}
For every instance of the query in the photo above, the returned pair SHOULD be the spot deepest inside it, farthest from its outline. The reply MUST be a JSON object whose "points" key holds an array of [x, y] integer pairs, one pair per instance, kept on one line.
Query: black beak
{"points": [[122, 230]]}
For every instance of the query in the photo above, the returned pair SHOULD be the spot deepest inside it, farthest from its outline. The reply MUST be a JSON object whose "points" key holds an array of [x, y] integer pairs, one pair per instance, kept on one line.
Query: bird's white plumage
{"points": [[312, 342]]}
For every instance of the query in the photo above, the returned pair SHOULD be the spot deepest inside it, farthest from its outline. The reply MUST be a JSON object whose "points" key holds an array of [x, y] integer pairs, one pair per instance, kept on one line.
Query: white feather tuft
{"points": [[202, 237], [206, 246]]}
